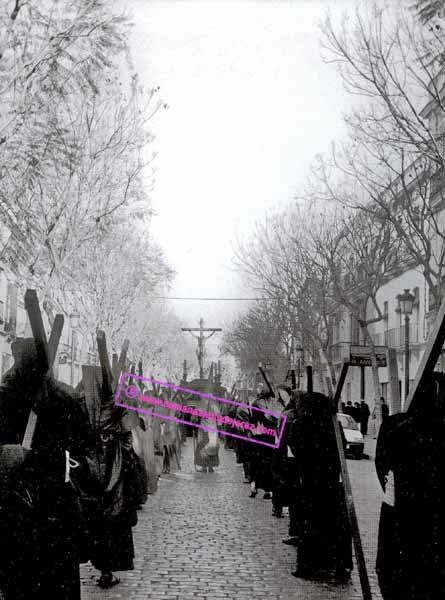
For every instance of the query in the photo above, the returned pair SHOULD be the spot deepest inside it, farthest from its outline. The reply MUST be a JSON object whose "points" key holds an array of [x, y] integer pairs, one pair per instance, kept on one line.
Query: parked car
{"points": [[355, 443]]}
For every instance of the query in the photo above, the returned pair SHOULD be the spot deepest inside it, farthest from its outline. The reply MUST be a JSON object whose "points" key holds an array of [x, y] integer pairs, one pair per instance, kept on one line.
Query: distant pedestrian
{"points": [[410, 466], [261, 455], [364, 417], [342, 407], [290, 473], [207, 441], [385, 408], [357, 412], [349, 409], [280, 466], [243, 446]]}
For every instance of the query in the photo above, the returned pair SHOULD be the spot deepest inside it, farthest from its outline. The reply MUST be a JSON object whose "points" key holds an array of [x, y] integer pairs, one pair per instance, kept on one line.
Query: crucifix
{"points": [[201, 339]]}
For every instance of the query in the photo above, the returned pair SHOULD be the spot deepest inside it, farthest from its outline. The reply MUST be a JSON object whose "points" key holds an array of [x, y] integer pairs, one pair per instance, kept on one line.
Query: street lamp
{"points": [[406, 303], [299, 356], [74, 324]]}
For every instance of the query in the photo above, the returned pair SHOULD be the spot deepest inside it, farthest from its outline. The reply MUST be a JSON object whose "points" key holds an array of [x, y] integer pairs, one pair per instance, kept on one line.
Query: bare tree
{"points": [[429, 10], [258, 336], [279, 262], [362, 254], [392, 162], [75, 141], [116, 274], [157, 339]]}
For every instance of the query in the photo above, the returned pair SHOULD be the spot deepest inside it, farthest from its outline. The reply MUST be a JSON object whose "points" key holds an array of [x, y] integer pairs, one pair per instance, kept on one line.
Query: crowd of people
{"points": [[302, 474], [73, 496], [359, 411]]}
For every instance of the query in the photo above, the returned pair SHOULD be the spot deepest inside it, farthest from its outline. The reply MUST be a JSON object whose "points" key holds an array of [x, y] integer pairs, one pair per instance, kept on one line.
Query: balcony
{"points": [[395, 338], [340, 352], [432, 306]]}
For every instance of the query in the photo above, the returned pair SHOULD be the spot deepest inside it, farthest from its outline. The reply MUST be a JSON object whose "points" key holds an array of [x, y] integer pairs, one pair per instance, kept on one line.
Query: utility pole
{"points": [[201, 340]]}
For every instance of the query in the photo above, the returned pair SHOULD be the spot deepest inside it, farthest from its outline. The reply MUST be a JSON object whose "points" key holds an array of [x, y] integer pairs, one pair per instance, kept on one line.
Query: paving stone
{"points": [[201, 538]]}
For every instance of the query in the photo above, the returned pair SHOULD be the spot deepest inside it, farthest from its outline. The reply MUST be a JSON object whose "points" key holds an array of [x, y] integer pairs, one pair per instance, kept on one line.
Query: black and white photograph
{"points": [[222, 299]]}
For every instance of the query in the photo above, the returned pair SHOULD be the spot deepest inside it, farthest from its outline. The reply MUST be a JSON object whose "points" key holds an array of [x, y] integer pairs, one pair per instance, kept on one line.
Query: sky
{"points": [[250, 104]]}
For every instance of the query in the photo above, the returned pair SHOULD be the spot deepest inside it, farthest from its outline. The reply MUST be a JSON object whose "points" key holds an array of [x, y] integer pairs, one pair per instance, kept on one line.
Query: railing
{"points": [[340, 351], [431, 296], [395, 338]]}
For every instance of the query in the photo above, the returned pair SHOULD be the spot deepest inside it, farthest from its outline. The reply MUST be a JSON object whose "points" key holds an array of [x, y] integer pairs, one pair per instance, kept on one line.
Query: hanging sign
{"points": [[360, 356]]}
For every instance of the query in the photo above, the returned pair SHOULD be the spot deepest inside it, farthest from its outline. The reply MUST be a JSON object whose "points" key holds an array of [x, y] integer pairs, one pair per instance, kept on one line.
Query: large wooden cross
{"points": [[110, 376], [352, 516], [46, 351], [201, 340]]}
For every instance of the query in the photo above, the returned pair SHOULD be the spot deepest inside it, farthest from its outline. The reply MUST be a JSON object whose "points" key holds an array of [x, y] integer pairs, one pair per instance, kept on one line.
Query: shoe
{"points": [[307, 574], [253, 494], [277, 513], [292, 541], [267, 496], [107, 581], [342, 575]]}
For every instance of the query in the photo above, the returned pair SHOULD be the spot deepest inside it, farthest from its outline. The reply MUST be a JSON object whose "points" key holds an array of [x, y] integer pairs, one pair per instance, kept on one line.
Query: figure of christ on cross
{"points": [[201, 340]]}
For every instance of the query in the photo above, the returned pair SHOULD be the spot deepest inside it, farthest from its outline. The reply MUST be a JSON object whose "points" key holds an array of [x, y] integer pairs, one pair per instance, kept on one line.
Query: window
{"points": [[431, 300], [355, 330]]}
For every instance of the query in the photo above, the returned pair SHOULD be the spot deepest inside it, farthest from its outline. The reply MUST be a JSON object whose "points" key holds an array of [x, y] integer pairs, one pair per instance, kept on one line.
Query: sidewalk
{"points": [[370, 446]]}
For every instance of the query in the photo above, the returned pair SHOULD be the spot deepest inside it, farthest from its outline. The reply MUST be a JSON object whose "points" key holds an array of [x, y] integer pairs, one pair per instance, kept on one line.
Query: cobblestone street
{"points": [[201, 536]]}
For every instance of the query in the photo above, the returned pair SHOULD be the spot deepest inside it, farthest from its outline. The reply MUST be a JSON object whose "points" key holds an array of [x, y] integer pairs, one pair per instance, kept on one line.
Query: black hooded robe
{"points": [[411, 544], [323, 532], [40, 514]]}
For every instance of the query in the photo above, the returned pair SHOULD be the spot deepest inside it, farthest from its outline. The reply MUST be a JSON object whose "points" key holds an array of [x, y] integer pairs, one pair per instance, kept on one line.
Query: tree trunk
{"points": [[321, 380], [375, 380], [332, 374], [327, 359]]}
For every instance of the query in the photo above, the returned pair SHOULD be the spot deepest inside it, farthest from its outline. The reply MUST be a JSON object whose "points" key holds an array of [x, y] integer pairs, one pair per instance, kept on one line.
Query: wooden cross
{"points": [[352, 516], [201, 339], [46, 351], [263, 373]]}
